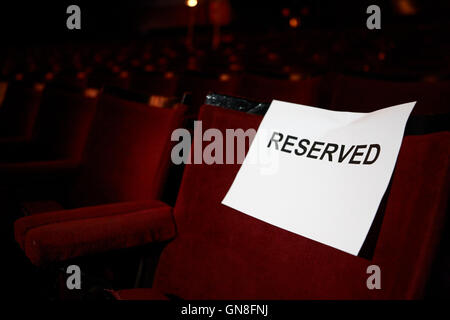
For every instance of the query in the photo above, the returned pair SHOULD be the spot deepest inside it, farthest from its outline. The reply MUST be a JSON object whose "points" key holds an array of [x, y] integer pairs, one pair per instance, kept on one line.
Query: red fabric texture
{"points": [[220, 253], [128, 152], [23, 225], [366, 95], [96, 231]]}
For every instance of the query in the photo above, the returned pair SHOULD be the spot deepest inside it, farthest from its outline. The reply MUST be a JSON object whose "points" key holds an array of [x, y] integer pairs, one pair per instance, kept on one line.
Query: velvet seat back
{"points": [[366, 95], [128, 152], [63, 124], [220, 253]]}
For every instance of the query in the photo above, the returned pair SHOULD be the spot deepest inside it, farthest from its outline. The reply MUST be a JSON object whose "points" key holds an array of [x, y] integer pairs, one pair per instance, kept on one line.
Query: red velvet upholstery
{"points": [[23, 225], [63, 123], [365, 95], [266, 89], [128, 152], [220, 253], [62, 235]]}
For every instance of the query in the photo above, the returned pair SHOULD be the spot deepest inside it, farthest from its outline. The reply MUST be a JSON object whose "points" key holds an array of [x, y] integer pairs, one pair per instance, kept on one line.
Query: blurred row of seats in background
{"points": [[304, 66], [20, 99], [421, 54]]}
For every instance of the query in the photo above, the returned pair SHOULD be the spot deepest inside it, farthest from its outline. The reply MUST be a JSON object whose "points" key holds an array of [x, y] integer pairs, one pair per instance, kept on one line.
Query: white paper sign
{"points": [[328, 171]]}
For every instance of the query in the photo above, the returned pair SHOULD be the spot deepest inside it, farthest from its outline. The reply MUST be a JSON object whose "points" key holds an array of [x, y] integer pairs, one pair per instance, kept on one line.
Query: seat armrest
{"points": [[68, 234], [23, 225]]}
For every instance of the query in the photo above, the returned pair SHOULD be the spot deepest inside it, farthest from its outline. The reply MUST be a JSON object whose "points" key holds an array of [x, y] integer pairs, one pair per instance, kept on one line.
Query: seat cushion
{"points": [[74, 238]]}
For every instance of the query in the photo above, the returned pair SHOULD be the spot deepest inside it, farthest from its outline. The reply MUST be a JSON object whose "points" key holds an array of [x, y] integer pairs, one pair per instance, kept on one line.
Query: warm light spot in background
{"points": [[169, 75], [157, 101], [295, 77], [405, 7], [294, 22], [224, 77], [191, 3], [91, 93]]}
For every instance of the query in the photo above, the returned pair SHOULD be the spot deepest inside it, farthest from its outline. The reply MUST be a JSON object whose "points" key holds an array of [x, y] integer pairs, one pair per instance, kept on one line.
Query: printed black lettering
{"points": [[357, 154], [343, 155], [371, 147], [287, 143], [316, 143], [301, 144], [329, 152], [353, 154], [280, 136]]}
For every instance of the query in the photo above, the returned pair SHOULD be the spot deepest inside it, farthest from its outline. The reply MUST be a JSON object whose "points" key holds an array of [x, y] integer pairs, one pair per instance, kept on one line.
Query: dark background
{"points": [[42, 21]]}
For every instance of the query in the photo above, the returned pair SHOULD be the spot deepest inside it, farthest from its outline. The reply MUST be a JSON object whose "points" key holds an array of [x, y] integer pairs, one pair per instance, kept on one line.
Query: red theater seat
{"points": [[220, 253], [126, 159], [128, 153], [366, 95]]}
